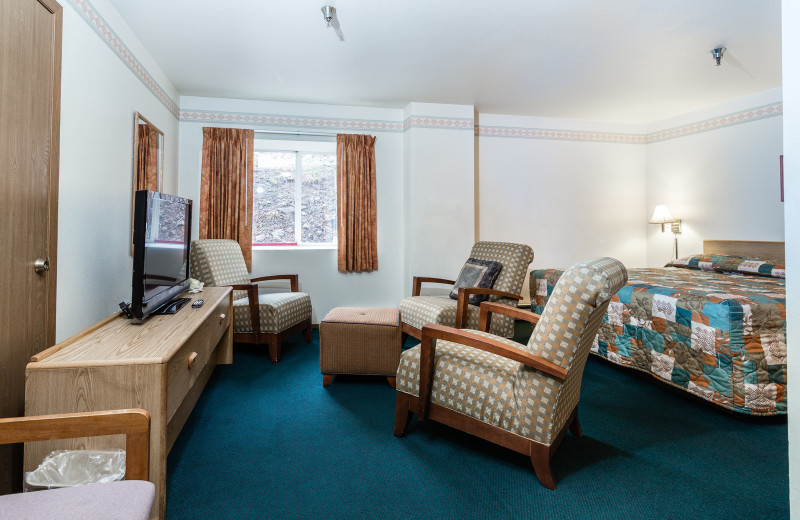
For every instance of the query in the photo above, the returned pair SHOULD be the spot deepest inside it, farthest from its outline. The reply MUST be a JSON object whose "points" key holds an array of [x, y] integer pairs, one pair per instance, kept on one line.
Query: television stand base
{"points": [[172, 306]]}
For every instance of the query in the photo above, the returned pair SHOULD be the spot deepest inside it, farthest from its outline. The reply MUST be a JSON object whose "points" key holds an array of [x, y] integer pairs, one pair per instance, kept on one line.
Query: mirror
{"points": [[148, 155], [148, 158]]}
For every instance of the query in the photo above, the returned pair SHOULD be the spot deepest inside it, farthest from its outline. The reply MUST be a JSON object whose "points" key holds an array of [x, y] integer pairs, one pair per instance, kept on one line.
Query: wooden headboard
{"points": [[768, 250]]}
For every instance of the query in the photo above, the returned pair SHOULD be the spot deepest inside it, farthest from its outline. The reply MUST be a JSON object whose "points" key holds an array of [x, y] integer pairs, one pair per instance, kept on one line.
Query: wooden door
{"points": [[30, 79]]}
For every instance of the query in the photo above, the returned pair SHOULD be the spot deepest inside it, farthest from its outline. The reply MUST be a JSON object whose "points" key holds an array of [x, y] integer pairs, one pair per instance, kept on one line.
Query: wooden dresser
{"points": [[161, 366]]}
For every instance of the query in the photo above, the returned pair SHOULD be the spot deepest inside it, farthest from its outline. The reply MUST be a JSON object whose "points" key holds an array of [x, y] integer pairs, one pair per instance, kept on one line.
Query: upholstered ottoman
{"points": [[359, 340]]}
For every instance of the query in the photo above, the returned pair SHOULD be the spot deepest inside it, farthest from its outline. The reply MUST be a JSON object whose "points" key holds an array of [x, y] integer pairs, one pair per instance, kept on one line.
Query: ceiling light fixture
{"points": [[328, 12], [717, 54]]}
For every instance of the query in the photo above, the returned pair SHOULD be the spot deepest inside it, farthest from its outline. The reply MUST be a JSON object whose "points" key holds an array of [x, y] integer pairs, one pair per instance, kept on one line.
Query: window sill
{"points": [[308, 247]]}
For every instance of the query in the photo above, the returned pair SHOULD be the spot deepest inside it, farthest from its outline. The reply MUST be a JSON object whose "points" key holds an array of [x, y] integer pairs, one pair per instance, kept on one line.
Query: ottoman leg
{"points": [[326, 379], [392, 381]]}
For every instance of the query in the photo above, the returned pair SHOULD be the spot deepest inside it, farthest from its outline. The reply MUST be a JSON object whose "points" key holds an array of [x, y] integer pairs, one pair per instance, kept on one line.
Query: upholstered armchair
{"points": [[130, 499], [523, 397], [417, 311], [257, 318]]}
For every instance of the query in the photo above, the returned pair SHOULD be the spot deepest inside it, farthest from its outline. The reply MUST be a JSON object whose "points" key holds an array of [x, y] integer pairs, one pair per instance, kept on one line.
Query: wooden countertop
{"points": [[117, 340]]}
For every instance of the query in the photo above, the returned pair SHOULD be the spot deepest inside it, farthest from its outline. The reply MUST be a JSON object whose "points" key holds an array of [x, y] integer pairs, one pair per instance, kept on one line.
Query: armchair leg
{"points": [[575, 427], [274, 346], [308, 332], [402, 415], [540, 458]]}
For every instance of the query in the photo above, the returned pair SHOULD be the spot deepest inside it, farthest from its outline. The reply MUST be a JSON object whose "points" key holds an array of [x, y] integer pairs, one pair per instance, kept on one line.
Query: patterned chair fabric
{"points": [[508, 394], [277, 311], [220, 262], [468, 380], [419, 311]]}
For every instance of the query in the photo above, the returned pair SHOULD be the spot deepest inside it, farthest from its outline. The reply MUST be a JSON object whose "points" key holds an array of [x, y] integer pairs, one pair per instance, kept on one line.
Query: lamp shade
{"points": [[661, 215]]}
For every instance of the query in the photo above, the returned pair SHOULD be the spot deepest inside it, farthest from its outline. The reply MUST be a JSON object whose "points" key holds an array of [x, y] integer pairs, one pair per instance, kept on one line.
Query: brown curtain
{"points": [[147, 158], [356, 203], [226, 187]]}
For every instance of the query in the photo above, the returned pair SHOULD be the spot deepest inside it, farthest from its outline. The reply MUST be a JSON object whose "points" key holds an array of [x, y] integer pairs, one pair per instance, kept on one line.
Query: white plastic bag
{"points": [[67, 468]]}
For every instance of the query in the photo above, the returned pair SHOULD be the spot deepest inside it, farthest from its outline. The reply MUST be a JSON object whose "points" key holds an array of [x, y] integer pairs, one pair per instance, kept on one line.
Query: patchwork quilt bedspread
{"points": [[719, 336]]}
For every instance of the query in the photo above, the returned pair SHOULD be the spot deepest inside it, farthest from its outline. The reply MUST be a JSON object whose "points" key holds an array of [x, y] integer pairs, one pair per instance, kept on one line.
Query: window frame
{"points": [[312, 147]]}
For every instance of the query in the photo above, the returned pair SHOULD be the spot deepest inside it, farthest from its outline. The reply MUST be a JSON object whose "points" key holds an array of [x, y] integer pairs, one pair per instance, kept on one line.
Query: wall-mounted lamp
{"points": [[662, 215]]}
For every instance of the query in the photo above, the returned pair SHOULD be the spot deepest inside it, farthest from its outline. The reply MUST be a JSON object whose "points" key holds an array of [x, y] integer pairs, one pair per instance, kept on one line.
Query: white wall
{"points": [[440, 205], [568, 198], [722, 183], [791, 165], [99, 95], [317, 268]]}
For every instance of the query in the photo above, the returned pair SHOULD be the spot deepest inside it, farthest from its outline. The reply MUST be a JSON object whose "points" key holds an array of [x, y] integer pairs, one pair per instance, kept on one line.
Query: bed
{"points": [[713, 325]]}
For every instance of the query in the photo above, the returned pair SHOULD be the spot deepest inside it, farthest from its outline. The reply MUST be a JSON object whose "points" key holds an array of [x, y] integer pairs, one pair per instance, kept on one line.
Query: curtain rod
{"points": [[319, 134]]}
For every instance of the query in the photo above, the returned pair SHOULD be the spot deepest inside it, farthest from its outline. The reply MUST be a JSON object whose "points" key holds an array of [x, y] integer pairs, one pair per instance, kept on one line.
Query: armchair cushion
{"points": [[125, 500], [476, 273], [470, 381], [419, 311], [277, 311]]}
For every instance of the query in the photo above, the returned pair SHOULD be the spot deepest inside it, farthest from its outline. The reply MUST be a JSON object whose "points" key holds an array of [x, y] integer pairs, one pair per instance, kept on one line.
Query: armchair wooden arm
{"points": [[252, 297], [293, 279], [134, 423], [252, 301], [488, 308], [419, 280], [463, 301], [431, 333]]}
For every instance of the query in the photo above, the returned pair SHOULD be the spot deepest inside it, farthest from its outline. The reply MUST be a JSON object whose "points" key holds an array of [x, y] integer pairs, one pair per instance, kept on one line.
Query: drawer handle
{"points": [[222, 317], [192, 357]]}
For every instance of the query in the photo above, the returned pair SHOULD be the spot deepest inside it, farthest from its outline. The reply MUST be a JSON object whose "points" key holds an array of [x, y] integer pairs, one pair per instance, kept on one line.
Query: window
{"points": [[294, 185]]}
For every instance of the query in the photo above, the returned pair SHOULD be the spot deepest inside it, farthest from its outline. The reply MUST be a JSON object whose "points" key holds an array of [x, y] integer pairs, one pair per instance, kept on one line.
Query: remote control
{"points": [[197, 304]]}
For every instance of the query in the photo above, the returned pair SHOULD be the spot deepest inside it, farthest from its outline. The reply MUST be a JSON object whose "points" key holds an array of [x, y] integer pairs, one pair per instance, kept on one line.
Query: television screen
{"points": [[162, 232]]}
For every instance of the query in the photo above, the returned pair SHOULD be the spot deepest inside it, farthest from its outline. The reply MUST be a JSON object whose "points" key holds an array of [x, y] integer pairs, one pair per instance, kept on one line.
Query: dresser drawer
{"points": [[186, 365]]}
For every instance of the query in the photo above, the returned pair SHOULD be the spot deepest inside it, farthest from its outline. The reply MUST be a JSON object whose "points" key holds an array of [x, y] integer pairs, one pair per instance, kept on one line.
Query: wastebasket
{"points": [[67, 468]]}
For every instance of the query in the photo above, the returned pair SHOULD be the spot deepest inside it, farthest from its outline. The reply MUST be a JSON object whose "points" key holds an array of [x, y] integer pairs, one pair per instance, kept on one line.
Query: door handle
{"points": [[41, 265]]}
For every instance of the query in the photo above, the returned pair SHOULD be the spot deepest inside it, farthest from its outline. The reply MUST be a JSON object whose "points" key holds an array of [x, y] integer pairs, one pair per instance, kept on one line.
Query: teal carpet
{"points": [[268, 441]]}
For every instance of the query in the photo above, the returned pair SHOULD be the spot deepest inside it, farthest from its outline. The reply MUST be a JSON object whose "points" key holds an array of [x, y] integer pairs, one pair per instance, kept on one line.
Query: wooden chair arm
{"points": [[463, 301], [293, 279], [488, 308], [419, 280], [134, 423], [431, 333], [252, 301]]}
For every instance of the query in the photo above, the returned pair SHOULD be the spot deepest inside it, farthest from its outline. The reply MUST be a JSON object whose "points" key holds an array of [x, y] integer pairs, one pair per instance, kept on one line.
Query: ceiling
{"points": [[629, 61]]}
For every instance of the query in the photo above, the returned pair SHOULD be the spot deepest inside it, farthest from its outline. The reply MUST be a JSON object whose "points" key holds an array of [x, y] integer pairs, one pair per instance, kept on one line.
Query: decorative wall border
{"points": [[284, 121], [439, 122], [93, 18], [736, 118], [306, 123], [563, 135], [310, 123], [714, 123]]}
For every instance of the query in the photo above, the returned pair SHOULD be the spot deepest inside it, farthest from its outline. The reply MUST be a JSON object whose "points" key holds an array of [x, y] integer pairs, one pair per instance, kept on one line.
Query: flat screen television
{"points": [[162, 227]]}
